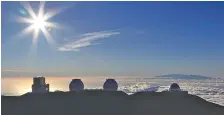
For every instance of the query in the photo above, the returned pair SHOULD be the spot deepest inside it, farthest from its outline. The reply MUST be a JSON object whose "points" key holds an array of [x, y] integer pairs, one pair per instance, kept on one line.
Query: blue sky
{"points": [[117, 39]]}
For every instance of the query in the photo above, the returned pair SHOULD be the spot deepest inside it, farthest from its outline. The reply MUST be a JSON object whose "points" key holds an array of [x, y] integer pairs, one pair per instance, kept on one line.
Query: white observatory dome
{"points": [[110, 84], [76, 85]]}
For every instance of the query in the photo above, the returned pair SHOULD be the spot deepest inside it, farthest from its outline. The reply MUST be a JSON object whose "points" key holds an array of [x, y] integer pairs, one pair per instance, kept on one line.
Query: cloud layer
{"points": [[86, 40]]}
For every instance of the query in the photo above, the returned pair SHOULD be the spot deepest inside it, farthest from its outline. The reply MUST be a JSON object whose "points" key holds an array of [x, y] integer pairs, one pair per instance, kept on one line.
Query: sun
{"points": [[37, 22]]}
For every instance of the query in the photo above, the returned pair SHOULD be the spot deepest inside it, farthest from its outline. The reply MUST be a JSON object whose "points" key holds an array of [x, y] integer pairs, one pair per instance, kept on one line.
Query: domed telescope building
{"points": [[174, 87], [39, 85], [110, 85], [76, 85]]}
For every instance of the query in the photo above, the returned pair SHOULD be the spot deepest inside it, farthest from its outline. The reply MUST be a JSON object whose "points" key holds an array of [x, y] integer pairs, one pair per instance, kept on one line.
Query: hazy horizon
{"points": [[20, 85]]}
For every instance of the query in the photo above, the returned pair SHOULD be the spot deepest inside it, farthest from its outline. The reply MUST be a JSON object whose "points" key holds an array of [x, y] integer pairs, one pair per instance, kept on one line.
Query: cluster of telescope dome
{"points": [[77, 84], [109, 85], [39, 85]]}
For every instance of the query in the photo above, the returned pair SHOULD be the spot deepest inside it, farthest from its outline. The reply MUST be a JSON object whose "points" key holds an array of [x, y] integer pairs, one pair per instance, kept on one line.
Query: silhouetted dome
{"points": [[174, 86], [76, 85], [110, 84]]}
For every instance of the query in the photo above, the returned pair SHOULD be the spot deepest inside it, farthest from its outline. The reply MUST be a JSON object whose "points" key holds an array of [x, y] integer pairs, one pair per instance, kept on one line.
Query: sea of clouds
{"points": [[211, 90]]}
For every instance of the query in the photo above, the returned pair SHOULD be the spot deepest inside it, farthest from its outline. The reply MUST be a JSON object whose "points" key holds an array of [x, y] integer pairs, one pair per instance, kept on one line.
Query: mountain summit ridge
{"points": [[183, 76]]}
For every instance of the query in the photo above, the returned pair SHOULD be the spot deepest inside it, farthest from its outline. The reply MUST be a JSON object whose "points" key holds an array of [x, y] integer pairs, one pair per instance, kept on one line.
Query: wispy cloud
{"points": [[86, 40], [16, 70]]}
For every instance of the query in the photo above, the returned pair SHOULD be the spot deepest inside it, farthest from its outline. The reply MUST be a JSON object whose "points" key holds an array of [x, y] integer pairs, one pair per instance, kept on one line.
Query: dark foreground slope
{"points": [[109, 103]]}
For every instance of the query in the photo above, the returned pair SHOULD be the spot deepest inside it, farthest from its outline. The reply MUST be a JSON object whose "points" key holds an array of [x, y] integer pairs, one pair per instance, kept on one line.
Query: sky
{"points": [[142, 39]]}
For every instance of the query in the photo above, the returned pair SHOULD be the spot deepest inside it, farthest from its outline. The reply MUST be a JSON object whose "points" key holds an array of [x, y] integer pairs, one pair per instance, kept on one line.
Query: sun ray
{"points": [[50, 24], [33, 48], [35, 36], [24, 20], [50, 14], [55, 12], [27, 30], [48, 37], [28, 8], [41, 9]]}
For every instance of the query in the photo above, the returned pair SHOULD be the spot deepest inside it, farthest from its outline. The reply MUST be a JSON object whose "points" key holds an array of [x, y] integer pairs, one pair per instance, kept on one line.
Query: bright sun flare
{"points": [[38, 22]]}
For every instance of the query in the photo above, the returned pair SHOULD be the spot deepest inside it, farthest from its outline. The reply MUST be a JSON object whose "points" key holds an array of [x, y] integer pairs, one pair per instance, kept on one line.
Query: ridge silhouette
{"points": [[100, 102], [108, 102]]}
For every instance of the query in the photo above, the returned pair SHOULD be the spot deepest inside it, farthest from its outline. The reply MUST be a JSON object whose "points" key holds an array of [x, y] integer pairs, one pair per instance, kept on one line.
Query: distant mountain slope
{"points": [[183, 76]]}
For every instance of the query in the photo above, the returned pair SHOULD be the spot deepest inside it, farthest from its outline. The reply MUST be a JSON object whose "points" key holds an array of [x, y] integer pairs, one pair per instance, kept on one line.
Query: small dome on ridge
{"points": [[110, 84], [175, 87]]}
